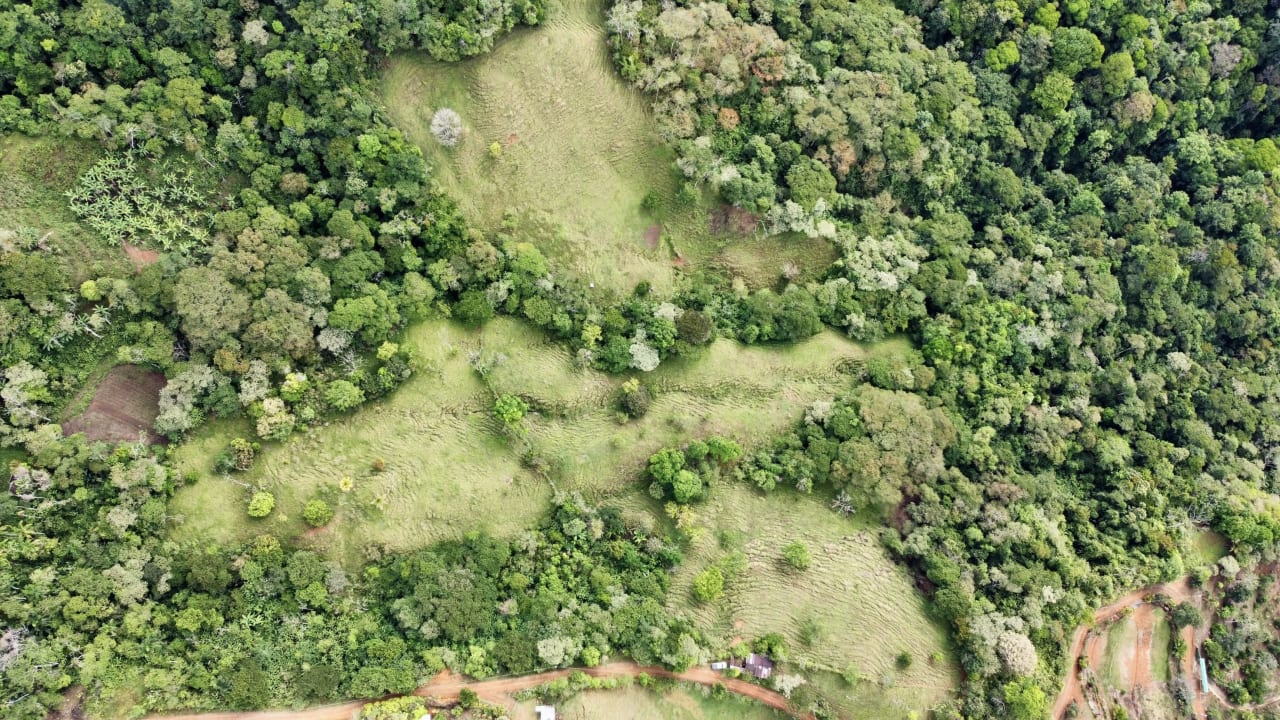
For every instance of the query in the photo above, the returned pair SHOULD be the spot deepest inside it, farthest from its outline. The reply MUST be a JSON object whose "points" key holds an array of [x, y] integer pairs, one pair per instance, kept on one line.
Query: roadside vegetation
{"points": [[667, 703]]}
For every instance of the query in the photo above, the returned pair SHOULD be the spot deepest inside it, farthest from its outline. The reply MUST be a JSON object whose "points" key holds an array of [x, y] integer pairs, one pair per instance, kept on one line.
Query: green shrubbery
{"points": [[683, 474], [317, 513], [261, 504]]}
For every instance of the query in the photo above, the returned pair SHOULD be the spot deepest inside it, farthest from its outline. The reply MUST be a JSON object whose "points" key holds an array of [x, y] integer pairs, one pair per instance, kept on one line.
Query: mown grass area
{"points": [[579, 152], [633, 703], [1122, 636], [748, 393], [1210, 547], [34, 175], [1161, 633], [450, 470], [853, 607]]}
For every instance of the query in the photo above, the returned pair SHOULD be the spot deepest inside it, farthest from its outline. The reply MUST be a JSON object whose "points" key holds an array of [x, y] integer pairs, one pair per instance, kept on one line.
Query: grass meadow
{"points": [[1161, 634], [449, 470], [449, 467], [1209, 547], [852, 607], [1122, 637], [579, 153]]}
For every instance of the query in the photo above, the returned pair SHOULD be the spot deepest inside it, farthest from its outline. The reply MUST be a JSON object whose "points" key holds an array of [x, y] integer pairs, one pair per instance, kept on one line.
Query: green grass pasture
{"points": [[578, 153]]}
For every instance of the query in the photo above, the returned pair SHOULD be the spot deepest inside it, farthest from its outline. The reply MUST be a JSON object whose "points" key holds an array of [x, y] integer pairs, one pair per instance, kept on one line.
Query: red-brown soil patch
{"points": [[1191, 671], [1091, 641], [124, 404], [1140, 664], [652, 235], [139, 257], [512, 139], [729, 219]]}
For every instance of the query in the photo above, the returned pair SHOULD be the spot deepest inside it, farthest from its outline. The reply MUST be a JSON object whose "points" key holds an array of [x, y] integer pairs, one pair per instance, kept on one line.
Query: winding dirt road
{"points": [[1072, 689], [446, 687]]}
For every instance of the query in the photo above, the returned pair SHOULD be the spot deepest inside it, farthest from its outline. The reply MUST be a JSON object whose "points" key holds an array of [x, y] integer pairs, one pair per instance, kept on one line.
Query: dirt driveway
{"points": [[446, 686]]}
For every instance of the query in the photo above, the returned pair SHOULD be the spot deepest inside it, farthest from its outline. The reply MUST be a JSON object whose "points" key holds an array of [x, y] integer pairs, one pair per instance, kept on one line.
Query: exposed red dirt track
{"points": [[1072, 689], [446, 687]]}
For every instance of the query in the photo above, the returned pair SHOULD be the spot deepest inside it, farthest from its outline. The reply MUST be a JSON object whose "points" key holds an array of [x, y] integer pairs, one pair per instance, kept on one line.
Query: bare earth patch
{"points": [[124, 404], [139, 257], [729, 219], [652, 235]]}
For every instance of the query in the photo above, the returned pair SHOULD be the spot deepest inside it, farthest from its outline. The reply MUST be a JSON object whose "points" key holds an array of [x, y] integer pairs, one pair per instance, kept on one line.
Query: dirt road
{"points": [[446, 687], [1072, 690], [1191, 671], [1140, 662]]}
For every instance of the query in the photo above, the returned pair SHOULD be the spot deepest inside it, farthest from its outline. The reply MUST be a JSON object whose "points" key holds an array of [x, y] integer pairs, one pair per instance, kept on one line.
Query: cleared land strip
{"points": [[1072, 689], [1177, 591], [446, 688]]}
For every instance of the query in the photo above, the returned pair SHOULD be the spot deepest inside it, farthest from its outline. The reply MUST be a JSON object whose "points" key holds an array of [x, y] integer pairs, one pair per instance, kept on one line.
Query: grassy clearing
{"points": [[749, 393], [854, 605], [1161, 634], [34, 174], [445, 465], [579, 151], [635, 703], [450, 471], [1122, 636], [1210, 547]]}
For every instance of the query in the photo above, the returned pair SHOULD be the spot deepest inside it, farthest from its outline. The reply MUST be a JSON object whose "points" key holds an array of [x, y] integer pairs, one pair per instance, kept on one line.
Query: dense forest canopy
{"points": [[1070, 208]]}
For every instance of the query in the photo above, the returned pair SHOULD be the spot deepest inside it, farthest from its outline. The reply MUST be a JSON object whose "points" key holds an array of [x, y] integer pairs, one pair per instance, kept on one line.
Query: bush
{"points": [[635, 398], [797, 555], [446, 126], [261, 504], [694, 327], [686, 486], [709, 585], [317, 513], [342, 395], [242, 453], [473, 308], [510, 409]]}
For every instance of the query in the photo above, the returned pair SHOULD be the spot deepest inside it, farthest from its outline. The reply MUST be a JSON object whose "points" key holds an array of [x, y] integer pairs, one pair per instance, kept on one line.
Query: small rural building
{"points": [[760, 666], [545, 712], [1204, 676]]}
